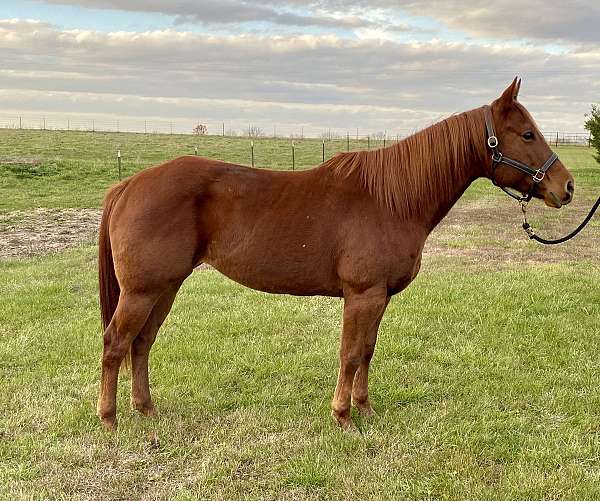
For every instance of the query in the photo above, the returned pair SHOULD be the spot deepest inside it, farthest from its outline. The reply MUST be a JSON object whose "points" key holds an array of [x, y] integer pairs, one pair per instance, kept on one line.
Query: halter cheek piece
{"points": [[498, 158]]}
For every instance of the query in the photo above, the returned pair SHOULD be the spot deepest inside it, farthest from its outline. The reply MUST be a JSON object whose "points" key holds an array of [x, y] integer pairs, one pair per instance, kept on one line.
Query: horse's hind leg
{"points": [[129, 318], [140, 350]]}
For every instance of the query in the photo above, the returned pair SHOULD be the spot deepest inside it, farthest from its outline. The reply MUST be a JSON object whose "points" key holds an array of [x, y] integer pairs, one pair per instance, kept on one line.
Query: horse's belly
{"points": [[280, 276]]}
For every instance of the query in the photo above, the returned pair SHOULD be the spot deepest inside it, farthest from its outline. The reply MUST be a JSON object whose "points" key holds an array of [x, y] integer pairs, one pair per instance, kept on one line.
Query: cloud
{"points": [[315, 81], [538, 20], [214, 12], [549, 22]]}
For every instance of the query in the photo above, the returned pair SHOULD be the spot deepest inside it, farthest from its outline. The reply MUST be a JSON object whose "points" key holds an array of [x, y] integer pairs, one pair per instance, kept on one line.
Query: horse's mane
{"points": [[407, 174]]}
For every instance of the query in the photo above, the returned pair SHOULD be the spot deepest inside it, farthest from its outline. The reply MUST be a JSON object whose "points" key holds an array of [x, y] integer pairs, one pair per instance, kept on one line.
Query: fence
{"points": [[252, 131], [568, 138]]}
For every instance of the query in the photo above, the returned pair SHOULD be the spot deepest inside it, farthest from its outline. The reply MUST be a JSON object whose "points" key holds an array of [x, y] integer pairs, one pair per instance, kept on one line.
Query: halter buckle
{"points": [[538, 176], [496, 157], [492, 142]]}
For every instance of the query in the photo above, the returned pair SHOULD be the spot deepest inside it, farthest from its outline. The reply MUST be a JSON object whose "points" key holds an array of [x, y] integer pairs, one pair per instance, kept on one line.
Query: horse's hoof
{"points": [[109, 423], [147, 410], [345, 423], [365, 410]]}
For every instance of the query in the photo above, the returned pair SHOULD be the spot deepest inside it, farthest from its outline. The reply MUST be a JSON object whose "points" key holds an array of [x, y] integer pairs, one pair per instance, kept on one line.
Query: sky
{"points": [[294, 66]]}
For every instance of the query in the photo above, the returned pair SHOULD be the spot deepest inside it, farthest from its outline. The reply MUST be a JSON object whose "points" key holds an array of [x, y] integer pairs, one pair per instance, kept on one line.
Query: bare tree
{"points": [[255, 131], [330, 134], [200, 130]]}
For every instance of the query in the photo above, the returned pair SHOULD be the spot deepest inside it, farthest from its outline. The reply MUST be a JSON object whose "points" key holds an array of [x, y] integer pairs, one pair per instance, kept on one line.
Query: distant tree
{"points": [[254, 131], [200, 130], [331, 134], [593, 125]]}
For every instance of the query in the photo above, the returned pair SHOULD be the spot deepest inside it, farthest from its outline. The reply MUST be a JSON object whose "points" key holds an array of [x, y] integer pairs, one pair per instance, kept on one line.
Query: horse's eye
{"points": [[528, 136]]}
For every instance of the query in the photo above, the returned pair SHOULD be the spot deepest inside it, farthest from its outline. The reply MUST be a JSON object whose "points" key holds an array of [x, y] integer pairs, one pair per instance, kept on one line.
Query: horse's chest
{"points": [[405, 274]]}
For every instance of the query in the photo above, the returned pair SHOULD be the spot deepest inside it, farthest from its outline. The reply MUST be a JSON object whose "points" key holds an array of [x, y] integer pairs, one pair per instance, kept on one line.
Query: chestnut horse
{"points": [[353, 227]]}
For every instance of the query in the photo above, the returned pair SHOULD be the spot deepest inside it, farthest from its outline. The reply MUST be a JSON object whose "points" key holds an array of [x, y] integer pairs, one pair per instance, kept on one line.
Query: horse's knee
{"points": [[350, 361], [140, 346]]}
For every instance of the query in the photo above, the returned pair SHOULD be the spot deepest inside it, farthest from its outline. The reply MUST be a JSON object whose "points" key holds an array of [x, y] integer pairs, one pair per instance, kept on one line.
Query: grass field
{"points": [[485, 376], [60, 168]]}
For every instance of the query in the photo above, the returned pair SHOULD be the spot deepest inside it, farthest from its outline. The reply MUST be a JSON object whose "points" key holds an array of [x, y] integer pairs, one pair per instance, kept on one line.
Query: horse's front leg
{"points": [[362, 313], [360, 388]]}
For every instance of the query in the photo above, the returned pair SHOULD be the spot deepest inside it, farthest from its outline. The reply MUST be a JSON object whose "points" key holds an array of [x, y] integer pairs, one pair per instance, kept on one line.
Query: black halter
{"points": [[498, 158]]}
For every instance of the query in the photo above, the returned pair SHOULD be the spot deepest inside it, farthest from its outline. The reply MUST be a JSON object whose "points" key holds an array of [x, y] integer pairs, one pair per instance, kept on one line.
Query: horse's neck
{"points": [[441, 205], [421, 177]]}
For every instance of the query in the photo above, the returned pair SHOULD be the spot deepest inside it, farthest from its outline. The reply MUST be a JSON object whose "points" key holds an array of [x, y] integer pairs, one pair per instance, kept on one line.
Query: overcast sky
{"points": [[343, 64]]}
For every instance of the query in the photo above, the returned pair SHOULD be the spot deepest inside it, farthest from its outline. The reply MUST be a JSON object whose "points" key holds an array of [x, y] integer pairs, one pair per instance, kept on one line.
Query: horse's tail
{"points": [[109, 286], [108, 283]]}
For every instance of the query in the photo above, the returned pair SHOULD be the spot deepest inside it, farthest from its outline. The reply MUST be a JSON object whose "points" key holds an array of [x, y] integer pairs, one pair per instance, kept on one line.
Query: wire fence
{"points": [[251, 131]]}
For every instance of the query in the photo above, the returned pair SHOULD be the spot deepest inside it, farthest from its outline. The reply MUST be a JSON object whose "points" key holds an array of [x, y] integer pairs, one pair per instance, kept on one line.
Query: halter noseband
{"points": [[498, 158]]}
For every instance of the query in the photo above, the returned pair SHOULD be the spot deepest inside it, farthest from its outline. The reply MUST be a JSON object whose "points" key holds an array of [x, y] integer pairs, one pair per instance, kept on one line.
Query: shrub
{"points": [[593, 125]]}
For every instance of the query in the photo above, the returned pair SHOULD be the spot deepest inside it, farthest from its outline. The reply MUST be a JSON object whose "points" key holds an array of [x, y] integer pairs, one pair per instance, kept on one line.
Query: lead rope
{"points": [[531, 233]]}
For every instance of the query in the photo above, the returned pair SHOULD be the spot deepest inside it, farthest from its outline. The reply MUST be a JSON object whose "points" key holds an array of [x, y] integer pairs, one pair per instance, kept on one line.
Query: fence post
{"points": [[44, 123], [68, 124], [196, 150], [119, 162], [20, 125], [557, 139], [145, 127], [347, 141], [369, 142], [293, 156], [93, 126], [384, 138], [323, 150], [223, 129], [252, 151]]}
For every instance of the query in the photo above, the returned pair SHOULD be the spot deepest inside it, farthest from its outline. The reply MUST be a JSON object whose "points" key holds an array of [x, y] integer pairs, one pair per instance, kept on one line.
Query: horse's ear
{"points": [[506, 101], [509, 96]]}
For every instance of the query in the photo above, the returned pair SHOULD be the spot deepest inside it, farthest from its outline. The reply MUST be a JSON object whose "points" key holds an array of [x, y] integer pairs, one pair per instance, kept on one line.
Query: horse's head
{"points": [[520, 141]]}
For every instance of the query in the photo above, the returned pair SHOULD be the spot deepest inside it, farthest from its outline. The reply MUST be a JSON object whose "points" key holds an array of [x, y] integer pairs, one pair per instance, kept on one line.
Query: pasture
{"points": [[485, 376]]}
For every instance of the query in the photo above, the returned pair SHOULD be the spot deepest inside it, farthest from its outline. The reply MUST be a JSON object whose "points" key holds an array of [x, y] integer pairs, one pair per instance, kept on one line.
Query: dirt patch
{"points": [[41, 231], [484, 233], [19, 161]]}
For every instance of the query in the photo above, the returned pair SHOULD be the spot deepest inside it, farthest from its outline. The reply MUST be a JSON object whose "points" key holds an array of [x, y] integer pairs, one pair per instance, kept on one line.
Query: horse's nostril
{"points": [[570, 187]]}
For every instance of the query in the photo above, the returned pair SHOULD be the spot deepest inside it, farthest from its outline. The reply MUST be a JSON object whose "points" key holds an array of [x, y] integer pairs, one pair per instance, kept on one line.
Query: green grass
{"points": [[486, 385], [73, 169]]}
